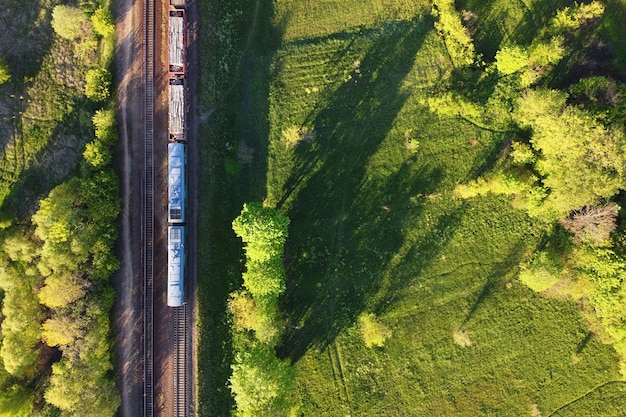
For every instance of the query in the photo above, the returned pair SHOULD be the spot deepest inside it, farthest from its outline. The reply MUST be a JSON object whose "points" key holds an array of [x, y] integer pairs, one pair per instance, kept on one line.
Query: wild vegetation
{"points": [[452, 173], [59, 203], [261, 383]]}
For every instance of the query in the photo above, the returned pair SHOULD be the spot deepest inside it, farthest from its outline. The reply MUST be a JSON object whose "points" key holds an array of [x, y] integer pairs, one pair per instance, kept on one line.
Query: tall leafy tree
{"points": [[581, 162]]}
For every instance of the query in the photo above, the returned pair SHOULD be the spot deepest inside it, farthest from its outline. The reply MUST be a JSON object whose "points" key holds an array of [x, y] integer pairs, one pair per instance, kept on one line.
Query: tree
{"points": [[265, 279], [573, 17], [98, 154], [62, 289], [449, 25], [97, 84], [81, 391], [261, 382], [542, 272], [61, 330], [20, 325], [70, 22], [5, 73], [248, 315], [263, 229], [511, 59], [103, 21], [373, 331], [592, 224], [581, 162]]}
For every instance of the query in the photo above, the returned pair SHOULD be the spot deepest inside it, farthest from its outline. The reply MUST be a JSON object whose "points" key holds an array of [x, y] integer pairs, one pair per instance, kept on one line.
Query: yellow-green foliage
{"points": [[373, 331], [260, 381], [16, 401], [5, 73], [581, 161], [458, 42], [103, 21], [522, 154], [496, 184], [511, 59], [607, 273], [249, 315], [542, 272], [21, 311], [97, 84], [571, 18], [70, 22]]}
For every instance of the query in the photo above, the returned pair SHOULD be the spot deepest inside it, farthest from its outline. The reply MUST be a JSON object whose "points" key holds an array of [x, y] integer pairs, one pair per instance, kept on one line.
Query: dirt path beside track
{"points": [[127, 309]]}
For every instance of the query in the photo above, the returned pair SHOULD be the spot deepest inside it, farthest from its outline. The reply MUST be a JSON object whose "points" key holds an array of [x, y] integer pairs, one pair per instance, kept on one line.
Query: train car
{"points": [[176, 183], [176, 113], [176, 266], [177, 25]]}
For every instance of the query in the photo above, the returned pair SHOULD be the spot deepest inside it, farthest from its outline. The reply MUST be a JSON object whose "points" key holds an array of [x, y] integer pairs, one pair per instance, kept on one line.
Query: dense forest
{"points": [[59, 203]]}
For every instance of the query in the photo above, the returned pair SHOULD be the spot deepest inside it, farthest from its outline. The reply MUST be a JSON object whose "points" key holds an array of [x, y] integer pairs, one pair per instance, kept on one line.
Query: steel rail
{"points": [[148, 213]]}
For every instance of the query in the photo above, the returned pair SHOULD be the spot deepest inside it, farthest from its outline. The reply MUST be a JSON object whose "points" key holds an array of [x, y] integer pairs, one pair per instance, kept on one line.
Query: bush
{"points": [[70, 22], [511, 59], [97, 84], [373, 331], [542, 272], [103, 22], [5, 74]]}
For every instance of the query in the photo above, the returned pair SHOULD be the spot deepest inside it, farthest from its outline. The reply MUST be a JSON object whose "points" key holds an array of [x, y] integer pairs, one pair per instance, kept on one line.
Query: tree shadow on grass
{"points": [[347, 214], [492, 17], [494, 279]]}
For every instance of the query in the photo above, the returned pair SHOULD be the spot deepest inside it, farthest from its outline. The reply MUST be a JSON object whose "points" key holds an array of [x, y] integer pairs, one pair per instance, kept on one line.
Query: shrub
{"points": [[103, 22], [70, 22], [97, 84], [542, 272], [373, 331], [511, 59], [5, 74]]}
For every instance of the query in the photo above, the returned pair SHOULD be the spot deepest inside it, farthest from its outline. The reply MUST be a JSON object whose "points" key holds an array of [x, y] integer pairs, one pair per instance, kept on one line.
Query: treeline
{"points": [[58, 100], [55, 267], [260, 382], [565, 164]]}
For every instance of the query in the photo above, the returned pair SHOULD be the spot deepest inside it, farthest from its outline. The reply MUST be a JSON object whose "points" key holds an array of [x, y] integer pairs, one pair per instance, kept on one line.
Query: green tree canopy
{"points": [[260, 381], [103, 21], [263, 229], [70, 22], [541, 272], [581, 161], [449, 25], [511, 59], [373, 331], [5, 73], [97, 84]]}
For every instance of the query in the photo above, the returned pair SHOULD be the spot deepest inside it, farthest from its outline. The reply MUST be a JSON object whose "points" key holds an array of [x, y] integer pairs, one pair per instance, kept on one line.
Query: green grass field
{"points": [[375, 228], [366, 172]]}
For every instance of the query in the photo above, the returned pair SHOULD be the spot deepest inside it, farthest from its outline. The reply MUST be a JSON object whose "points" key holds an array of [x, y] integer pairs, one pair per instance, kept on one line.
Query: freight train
{"points": [[176, 155]]}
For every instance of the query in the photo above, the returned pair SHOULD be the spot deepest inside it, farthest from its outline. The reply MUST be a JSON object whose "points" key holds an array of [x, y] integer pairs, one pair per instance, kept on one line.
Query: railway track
{"points": [[181, 346], [148, 213]]}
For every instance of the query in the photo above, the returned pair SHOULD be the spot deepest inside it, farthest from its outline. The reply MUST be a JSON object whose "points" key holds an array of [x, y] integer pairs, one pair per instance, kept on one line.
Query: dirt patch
{"points": [[127, 310]]}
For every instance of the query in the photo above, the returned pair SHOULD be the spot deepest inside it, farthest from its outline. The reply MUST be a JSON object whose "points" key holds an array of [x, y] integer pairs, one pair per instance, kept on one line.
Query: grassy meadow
{"points": [[331, 101]]}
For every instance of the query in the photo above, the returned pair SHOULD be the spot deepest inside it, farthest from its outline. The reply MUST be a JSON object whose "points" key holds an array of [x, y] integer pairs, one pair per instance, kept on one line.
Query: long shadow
{"points": [[344, 223], [491, 18], [28, 36], [494, 278], [239, 117], [34, 178]]}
